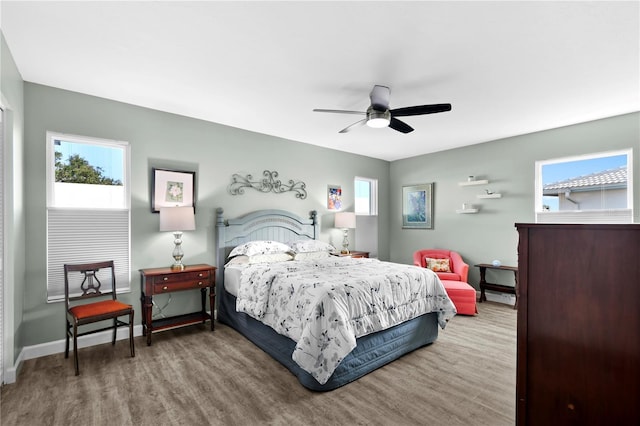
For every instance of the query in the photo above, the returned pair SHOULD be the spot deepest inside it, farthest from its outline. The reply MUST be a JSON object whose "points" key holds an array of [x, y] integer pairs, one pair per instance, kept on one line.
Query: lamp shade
{"points": [[177, 219], [345, 220]]}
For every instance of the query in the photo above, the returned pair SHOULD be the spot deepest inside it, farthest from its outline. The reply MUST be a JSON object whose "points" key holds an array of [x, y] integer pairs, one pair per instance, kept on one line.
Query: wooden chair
{"points": [[82, 283]]}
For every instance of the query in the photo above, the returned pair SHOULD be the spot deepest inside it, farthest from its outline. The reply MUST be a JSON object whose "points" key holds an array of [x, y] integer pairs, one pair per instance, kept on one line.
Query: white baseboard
{"points": [[56, 347], [11, 373]]}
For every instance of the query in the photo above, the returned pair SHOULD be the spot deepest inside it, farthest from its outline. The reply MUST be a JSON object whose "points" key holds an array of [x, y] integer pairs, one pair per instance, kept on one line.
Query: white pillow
{"points": [[312, 255], [259, 247], [270, 258], [306, 246], [238, 260]]}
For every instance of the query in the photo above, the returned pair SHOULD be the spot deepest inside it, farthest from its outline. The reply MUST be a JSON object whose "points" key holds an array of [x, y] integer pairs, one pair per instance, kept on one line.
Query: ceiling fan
{"points": [[379, 115]]}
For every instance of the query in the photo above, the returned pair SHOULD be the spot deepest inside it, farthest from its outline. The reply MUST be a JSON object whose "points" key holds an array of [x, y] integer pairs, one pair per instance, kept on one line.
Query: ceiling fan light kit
{"points": [[379, 115], [378, 119]]}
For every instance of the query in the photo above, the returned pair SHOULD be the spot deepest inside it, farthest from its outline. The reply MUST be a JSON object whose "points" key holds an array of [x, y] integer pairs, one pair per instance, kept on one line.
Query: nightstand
{"points": [[354, 254], [166, 280]]}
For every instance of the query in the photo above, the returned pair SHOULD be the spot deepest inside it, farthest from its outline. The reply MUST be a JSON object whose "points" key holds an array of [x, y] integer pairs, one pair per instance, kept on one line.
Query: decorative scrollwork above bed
{"points": [[268, 183]]}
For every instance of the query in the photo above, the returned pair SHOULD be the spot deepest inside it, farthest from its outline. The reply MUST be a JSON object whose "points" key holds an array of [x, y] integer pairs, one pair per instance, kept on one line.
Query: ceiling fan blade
{"points": [[340, 111], [400, 126], [420, 110], [353, 126], [380, 98]]}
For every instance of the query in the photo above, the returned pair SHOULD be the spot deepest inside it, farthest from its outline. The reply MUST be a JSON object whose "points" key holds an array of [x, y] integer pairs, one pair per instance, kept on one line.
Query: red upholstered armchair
{"points": [[459, 269]]}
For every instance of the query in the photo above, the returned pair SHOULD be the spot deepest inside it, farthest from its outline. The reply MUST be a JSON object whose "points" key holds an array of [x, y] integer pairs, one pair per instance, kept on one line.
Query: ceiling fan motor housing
{"points": [[377, 118]]}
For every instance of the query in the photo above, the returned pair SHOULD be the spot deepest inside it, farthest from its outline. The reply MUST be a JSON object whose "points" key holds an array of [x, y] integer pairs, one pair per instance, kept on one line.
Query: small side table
{"points": [[484, 285], [354, 254], [166, 280]]}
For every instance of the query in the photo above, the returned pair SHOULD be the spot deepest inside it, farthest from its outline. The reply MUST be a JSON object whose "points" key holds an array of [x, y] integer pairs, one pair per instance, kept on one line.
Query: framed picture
{"points": [[170, 188], [334, 197], [417, 206]]}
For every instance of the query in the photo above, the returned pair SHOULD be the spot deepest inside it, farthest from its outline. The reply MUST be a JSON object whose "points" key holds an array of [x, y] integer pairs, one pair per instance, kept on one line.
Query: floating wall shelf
{"points": [[466, 211], [489, 195], [473, 182]]}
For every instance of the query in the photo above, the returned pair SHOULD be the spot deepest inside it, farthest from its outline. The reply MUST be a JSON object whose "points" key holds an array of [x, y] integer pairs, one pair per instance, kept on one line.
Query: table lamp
{"points": [[176, 220], [345, 220]]}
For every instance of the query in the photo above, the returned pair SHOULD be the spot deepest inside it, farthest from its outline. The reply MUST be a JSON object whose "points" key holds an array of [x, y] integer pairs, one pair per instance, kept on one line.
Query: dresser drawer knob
{"points": [[200, 274], [165, 279], [199, 282], [165, 288]]}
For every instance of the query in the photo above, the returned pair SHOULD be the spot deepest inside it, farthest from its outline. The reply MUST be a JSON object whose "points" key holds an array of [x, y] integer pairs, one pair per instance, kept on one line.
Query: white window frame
{"points": [[584, 216], [86, 234], [373, 196]]}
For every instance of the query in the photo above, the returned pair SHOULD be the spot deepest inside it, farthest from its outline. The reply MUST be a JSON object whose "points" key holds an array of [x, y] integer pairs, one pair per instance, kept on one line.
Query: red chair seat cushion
{"points": [[98, 308], [451, 276], [462, 295]]}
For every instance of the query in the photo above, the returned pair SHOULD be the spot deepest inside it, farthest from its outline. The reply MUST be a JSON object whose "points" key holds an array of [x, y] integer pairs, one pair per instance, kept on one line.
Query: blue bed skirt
{"points": [[373, 351]]}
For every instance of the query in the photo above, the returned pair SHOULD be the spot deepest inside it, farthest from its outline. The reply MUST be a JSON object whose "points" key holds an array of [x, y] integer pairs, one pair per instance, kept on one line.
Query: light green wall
{"points": [[164, 140], [215, 152], [11, 99], [508, 164]]}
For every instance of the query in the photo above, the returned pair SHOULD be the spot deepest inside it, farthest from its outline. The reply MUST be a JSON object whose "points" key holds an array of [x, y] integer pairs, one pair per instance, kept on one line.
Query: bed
{"points": [[366, 353]]}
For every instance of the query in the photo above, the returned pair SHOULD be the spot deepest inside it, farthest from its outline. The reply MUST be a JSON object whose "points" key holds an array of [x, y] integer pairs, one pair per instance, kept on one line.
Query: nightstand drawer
{"points": [[185, 276], [353, 254], [164, 287], [359, 254]]}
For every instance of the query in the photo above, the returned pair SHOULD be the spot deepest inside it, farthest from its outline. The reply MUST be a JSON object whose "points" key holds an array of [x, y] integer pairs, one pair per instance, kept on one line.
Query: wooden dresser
{"points": [[578, 325]]}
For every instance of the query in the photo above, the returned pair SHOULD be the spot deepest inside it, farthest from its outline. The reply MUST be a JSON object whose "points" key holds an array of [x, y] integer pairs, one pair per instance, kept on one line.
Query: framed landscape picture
{"points": [[171, 188], [417, 206]]}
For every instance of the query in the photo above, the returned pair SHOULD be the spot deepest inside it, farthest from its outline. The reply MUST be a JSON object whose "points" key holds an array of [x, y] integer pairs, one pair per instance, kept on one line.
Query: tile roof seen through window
{"points": [[614, 177]]}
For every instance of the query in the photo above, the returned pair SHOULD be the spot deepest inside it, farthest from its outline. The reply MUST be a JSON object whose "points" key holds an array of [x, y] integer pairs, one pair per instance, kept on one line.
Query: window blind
{"points": [[86, 235], [591, 216]]}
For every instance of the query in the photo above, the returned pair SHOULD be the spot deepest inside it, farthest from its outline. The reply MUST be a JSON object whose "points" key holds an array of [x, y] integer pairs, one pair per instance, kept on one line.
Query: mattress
{"points": [[232, 278], [326, 304], [372, 351]]}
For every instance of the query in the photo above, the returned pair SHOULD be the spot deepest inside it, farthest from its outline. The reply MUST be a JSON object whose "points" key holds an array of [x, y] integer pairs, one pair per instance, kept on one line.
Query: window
{"points": [[88, 207], [594, 188], [366, 209], [366, 196]]}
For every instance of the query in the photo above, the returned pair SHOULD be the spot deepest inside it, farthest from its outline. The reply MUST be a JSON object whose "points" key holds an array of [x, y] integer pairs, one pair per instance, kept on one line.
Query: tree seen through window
{"points": [[78, 170]]}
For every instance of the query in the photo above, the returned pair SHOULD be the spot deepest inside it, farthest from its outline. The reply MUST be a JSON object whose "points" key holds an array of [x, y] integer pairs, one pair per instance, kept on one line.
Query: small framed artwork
{"points": [[170, 188], [417, 206], [334, 197]]}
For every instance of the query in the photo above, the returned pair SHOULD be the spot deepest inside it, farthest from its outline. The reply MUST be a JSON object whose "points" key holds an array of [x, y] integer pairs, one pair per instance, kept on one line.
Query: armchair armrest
{"points": [[418, 259], [459, 266]]}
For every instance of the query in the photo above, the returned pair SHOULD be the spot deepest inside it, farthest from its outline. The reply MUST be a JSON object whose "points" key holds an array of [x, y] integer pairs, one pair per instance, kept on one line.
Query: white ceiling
{"points": [[508, 68]]}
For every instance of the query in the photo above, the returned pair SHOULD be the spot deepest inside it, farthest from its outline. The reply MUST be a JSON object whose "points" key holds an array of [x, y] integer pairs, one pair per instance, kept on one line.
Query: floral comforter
{"points": [[324, 305]]}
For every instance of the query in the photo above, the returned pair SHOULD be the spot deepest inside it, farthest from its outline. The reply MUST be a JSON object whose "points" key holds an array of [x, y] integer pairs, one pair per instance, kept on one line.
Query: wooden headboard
{"points": [[273, 225]]}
